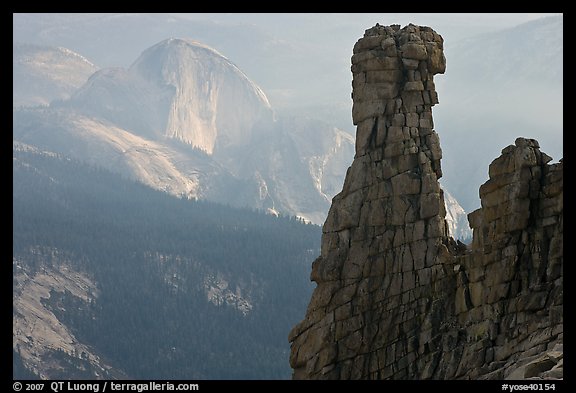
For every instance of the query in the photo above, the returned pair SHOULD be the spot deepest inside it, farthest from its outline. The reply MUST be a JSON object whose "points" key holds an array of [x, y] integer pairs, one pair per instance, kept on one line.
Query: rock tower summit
{"points": [[396, 297]]}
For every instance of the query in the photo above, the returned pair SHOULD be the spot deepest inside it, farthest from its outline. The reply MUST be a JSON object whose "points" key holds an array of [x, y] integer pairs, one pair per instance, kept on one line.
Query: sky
{"points": [[452, 26]]}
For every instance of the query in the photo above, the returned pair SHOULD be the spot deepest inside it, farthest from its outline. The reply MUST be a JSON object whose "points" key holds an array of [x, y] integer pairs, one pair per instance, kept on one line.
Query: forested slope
{"points": [[185, 289]]}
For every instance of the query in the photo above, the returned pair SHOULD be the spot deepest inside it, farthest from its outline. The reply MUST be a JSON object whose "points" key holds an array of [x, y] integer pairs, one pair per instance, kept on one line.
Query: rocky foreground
{"points": [[397, 298]]}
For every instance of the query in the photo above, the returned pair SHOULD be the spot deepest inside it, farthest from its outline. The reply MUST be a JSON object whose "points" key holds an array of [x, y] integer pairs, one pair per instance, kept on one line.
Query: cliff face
{"points": [[179, 89], [509, 295], [397, 297]]}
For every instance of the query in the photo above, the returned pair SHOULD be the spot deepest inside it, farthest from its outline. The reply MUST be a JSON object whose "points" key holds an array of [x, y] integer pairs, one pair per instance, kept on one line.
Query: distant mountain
{"points": [[497, 87], [183, 90], [504, 62], [41, 74], [186, 120], [457, 219], [113, 279], [274, 63]]}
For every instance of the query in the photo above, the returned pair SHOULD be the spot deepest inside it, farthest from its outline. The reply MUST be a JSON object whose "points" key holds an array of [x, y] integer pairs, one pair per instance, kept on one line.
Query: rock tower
{"points": [[397, 298]]}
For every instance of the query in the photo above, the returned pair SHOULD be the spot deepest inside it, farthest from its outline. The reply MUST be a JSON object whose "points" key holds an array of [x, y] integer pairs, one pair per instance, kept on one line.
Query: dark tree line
{"points": [[150, 255]]}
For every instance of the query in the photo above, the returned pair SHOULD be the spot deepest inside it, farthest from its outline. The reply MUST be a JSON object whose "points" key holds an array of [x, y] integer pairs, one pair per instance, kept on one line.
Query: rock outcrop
{"points": [[397, 298], [509, 295]]}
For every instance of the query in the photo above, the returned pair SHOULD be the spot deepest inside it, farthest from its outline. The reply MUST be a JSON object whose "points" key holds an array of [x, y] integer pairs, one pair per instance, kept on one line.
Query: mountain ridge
{"points": [[122, 271], [179, 93], [280, 163], [42, 74]]}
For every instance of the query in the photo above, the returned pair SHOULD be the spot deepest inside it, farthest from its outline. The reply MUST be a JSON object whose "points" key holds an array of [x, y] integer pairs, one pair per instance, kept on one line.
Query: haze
{"points": [[489, 95]]}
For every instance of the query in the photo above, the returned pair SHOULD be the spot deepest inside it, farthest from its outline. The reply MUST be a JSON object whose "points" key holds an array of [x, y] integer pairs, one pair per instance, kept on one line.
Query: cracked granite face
{"points": [[397, 298]]}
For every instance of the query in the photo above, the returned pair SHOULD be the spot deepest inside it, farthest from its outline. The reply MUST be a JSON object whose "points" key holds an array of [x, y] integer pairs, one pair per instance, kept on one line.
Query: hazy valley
{"points": [[170, 178]]}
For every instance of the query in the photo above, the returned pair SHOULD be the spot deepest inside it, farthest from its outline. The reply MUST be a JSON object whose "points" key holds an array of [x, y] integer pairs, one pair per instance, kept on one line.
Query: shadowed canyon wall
{"points": [[396, 297]]}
